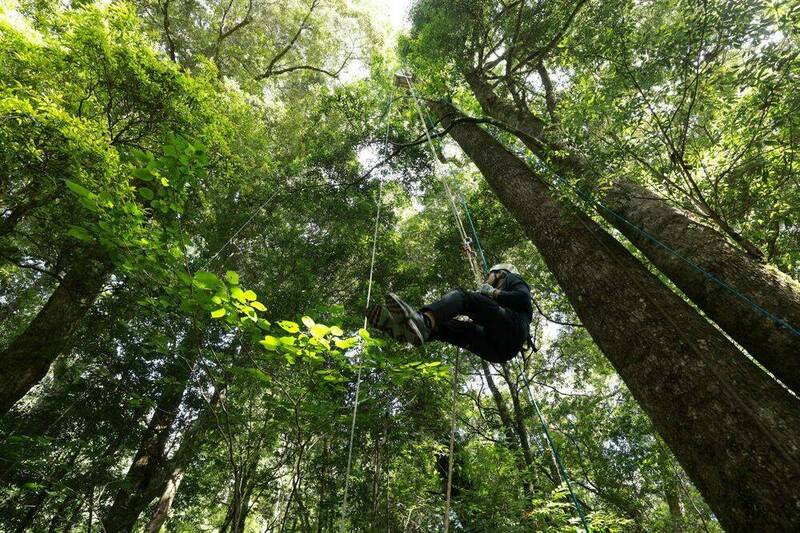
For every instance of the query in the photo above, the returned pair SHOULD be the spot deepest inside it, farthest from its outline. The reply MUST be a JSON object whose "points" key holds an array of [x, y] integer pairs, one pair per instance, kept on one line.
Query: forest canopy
{"points": [[200, 200]]}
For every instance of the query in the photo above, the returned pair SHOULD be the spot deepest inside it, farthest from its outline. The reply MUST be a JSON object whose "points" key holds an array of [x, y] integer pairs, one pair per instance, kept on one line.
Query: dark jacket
{"points": [[515, 295]]}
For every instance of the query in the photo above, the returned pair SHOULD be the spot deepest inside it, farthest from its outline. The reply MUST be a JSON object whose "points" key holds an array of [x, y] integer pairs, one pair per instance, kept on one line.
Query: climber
{"points": [[500, 314]]}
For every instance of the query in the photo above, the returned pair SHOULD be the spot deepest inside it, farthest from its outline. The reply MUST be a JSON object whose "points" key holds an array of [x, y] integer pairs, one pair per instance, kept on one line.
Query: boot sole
{"points": [[381, 319], [401, 312]]}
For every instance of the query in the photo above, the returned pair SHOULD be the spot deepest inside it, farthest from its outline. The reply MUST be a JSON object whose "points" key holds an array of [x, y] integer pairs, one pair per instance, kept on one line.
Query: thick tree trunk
{"points": [[149, 463], [768, 290], [636, 208], [735, 431], [27, 359]]}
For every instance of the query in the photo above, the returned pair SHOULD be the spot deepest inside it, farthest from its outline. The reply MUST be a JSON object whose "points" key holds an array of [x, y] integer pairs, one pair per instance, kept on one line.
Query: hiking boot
{"points": [[417, 329], [381, 319]]}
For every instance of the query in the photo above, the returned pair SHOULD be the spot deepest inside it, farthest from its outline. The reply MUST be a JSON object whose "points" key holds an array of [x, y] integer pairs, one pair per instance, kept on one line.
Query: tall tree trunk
{"points": [[522, 430], [148, 465], [513, 437], [166, 501], [735, 431], [27, 359], [171, 471], [772, 344], [673, 505]]}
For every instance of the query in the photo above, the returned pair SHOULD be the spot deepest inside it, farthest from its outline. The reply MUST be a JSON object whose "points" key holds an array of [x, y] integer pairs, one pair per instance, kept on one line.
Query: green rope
{"points": [[475, 235], [557, 456]]}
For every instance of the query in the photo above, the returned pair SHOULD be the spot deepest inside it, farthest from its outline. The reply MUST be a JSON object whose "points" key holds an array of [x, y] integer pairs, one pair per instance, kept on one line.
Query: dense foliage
{"points": [[208, 175]]}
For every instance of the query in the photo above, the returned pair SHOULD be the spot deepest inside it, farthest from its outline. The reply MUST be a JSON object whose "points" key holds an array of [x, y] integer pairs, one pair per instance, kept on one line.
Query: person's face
{"points": [[495, 278]]}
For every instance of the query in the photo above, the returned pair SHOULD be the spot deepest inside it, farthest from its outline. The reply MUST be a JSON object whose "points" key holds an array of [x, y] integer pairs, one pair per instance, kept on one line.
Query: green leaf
{"points": [[289, 326], [259, 375], [319, 330], [232, 277], [308, 322], [78, 189], [143, 174], [219, 313], [363, 333], [258, 306], [206, 280], [79, 233], [336, 331], [269, 342], [146, 193], [344, 344], [250, 295], [238, 293]]}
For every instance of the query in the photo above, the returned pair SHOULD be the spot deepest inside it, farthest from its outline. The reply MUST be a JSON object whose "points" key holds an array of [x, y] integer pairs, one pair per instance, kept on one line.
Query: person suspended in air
{"points": [[499, 312]]}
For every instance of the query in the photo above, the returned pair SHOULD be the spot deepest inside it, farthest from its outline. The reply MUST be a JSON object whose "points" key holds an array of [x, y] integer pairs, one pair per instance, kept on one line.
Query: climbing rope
{"points": [[366, 310], [466, 241], [452, 446]]}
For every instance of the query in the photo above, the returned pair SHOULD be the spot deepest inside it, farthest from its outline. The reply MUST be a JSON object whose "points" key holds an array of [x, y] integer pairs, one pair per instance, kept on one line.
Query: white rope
{"points": [[465, 240], [366, 310], [241, 228], [452, 446]]}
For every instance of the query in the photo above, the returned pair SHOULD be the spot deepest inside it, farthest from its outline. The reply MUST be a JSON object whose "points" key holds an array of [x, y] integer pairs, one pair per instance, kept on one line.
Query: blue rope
{"points": [[587, 197]]}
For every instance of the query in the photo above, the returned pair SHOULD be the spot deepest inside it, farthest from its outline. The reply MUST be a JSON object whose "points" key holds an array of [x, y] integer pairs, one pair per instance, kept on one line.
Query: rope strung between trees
{"points": [[366, 310], [649, 236]]}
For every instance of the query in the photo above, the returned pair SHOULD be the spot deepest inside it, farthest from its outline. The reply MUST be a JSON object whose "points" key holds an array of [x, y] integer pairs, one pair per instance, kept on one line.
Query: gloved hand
{"points": [[486, 290]]}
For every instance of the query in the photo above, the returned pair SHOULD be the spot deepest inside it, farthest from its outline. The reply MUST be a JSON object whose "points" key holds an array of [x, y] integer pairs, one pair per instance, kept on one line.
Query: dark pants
{"points": [[493, 332]]}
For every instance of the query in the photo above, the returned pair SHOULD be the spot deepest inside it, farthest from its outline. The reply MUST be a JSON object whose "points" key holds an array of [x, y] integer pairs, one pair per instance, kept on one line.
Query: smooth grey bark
{"points": [[639, 213], [25, 361], [734, 430]]}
